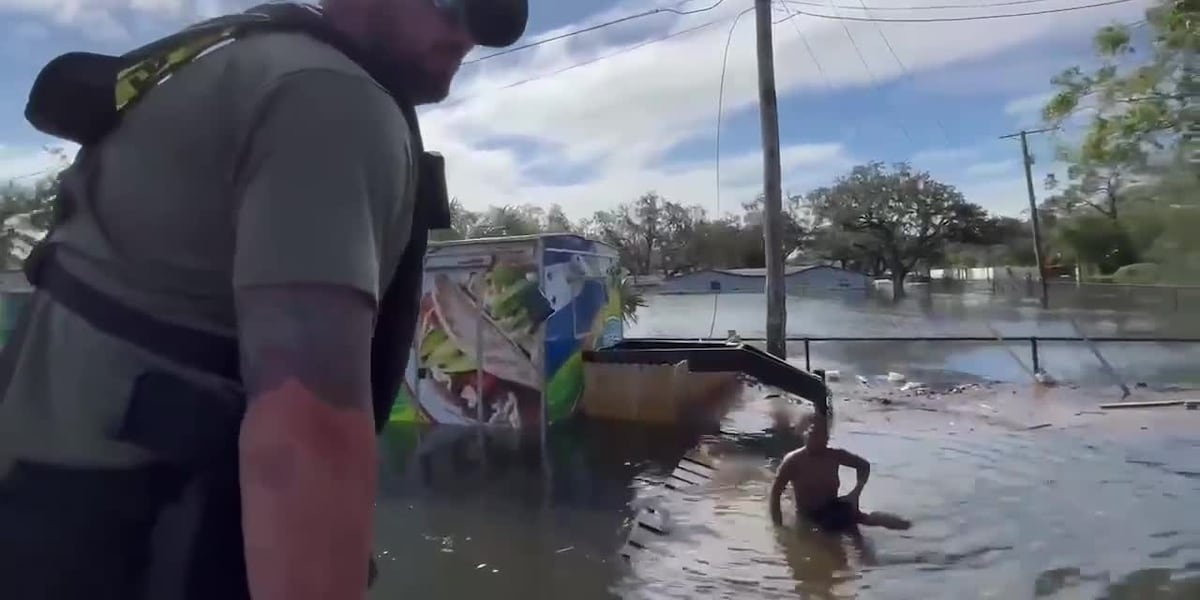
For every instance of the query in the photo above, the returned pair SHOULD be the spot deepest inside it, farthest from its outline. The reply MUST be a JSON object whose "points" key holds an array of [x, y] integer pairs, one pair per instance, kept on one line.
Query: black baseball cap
{"points": [[492, 23]]}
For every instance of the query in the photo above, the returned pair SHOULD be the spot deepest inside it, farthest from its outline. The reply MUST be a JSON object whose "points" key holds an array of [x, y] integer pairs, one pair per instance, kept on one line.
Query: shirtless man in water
{"points": [[813, 472]]}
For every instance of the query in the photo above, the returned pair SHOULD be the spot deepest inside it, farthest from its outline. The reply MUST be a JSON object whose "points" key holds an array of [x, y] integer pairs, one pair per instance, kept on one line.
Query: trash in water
{"points": [[1044, 378], [912, 386], [895, 377], [832, 375]]}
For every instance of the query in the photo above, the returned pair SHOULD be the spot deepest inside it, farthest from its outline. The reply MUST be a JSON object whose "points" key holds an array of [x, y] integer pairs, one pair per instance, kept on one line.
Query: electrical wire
{"points": [[677, 11], [918, 6], [861, 58], [1049, 11], [31, 175], [585, 63], [813, 55], [903, 67], [596, 27], [791, 14], [712, 325]]}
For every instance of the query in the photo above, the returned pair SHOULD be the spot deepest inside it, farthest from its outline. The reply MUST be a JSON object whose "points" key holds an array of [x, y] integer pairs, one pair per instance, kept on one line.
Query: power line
{"points": [[956, 19], [817, 62], [903, 67], [721, 98], [720, 111], [808, 48], [30, 175], [858, 52], [598, 26], [638, 46], [919, 6]]}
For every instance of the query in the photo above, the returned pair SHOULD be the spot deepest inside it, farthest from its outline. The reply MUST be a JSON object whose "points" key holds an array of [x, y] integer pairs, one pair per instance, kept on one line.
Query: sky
{"points": [[600, 118]]}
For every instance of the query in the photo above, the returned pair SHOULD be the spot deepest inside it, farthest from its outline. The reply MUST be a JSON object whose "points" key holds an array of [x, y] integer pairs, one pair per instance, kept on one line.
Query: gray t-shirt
{"points": [[271, 160]]}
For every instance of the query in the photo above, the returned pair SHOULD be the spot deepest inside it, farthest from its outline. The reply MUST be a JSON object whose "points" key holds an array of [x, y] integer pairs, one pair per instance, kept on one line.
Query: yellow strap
{"points": [[135, 80]]}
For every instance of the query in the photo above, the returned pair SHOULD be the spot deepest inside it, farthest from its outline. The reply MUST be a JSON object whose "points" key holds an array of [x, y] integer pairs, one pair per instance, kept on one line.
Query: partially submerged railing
{"points": [[1032, 340]]}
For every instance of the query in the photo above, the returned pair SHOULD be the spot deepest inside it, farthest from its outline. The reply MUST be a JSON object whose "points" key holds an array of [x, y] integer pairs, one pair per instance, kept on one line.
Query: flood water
{"points": [[998, 512], [956, 314]]}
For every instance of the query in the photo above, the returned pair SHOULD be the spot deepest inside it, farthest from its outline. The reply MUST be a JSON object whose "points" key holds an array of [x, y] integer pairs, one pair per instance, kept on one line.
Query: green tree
{"points": [[1131, 166], [900, 216], [794, 232], [1100, 241], [26, 212], [557, 221], [1140, 106]]}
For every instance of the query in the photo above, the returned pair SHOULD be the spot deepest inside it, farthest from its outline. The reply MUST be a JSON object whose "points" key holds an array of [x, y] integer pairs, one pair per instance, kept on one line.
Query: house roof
{"points": [[762, 272]]}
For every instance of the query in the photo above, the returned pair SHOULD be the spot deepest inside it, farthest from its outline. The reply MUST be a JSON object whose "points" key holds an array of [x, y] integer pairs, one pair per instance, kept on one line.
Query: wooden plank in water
{"points": [[1153, 404]]}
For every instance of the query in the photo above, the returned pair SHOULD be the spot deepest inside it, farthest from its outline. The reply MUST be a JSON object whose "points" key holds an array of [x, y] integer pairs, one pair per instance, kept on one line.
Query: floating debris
{"points": [[833, 375], [1154, 404], [895, 377], [1045, 379]]}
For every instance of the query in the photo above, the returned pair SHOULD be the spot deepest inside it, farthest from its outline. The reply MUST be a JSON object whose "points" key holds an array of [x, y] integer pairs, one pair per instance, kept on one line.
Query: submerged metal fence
{"points": [[1032, 340]]}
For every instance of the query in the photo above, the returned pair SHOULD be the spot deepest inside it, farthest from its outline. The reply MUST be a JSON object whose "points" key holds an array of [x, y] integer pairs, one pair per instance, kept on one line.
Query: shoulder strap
{"points": [[116, 84], [80, 96]]}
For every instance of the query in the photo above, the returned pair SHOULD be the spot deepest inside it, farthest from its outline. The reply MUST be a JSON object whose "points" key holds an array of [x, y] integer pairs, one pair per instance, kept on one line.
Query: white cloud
{"points": [[25, 164], [614, 124], [1029, 106], [926, 159], [620, 116], [992, 168], [100, 19]]}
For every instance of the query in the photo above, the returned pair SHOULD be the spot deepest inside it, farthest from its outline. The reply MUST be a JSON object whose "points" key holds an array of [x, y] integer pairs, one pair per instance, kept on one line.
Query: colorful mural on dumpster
{"points": [[532, 305], [578, 280]]}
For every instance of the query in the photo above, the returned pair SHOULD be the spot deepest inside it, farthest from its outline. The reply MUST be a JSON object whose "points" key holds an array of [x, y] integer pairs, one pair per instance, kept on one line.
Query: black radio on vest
{"points": [[196, 528]]}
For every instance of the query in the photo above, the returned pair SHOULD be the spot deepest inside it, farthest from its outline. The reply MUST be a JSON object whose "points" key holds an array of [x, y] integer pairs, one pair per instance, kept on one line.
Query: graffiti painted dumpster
{"points": [[503, 326]]}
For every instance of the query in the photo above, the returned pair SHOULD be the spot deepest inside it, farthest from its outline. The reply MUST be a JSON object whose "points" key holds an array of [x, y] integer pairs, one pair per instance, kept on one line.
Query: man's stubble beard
{"points": [[420, 85]]}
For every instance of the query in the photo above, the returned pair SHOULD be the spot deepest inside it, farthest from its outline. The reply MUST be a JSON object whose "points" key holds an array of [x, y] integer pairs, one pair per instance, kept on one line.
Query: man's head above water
{"points": [[816, 430], [426, 40]]}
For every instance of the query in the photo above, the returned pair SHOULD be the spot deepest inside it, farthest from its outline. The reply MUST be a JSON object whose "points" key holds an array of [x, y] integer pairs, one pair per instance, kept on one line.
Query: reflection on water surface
{"points": [[998, 513]]}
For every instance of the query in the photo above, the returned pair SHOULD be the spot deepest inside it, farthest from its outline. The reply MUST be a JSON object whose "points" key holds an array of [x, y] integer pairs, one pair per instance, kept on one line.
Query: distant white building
{"points": [[813, 278]]}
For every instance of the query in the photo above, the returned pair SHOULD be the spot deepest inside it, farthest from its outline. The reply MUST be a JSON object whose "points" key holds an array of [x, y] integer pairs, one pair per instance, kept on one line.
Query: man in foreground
{"points": [[189, 407], [813, 473]]}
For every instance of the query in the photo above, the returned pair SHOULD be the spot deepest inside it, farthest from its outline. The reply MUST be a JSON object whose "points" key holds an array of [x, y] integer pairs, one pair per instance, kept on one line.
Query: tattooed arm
{"points": [[322, 184], [307, 448]]}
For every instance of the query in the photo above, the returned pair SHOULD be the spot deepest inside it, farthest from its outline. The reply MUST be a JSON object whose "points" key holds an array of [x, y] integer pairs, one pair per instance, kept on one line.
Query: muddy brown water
{"points": [[1013, 495], [1015, 492]]}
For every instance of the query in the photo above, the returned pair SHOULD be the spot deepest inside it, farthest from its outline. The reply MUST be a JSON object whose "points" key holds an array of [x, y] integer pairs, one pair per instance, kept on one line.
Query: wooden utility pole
{"points": [[772, 186], [1033, 211]]}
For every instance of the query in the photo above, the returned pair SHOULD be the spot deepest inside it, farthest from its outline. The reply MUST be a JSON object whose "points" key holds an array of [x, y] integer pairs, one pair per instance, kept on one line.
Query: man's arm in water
{"points": [[319, 188], [862, 470], [782, 478]]}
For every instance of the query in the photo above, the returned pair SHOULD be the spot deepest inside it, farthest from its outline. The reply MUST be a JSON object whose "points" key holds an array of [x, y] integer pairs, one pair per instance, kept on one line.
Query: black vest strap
{"points": [[65, 80], [193, 348]]}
